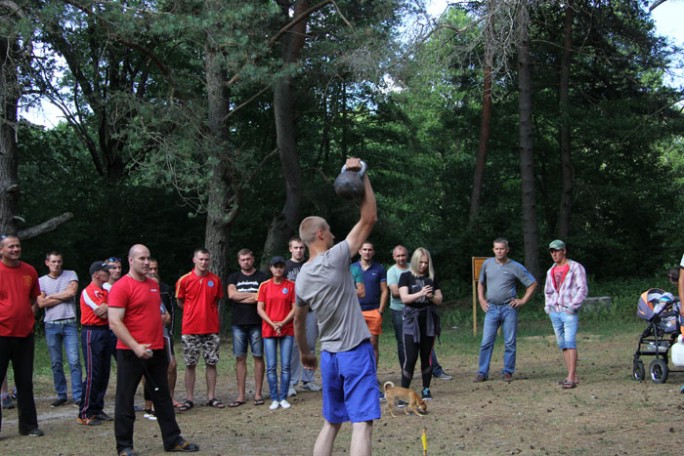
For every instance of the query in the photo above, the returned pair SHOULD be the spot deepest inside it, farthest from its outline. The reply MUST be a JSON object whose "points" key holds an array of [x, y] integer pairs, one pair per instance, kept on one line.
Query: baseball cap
{"points": [[99, 266], [557, 245], [277, 260]]}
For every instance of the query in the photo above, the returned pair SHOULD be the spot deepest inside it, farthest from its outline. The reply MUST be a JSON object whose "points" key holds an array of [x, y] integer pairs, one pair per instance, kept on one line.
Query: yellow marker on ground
{"points": [[423, 438]]}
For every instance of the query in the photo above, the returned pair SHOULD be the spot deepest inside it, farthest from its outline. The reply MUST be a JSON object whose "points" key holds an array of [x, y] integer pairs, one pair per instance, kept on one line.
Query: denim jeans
{"points": [[507, 317], [565, 326], [57, 335], [271, 348]]}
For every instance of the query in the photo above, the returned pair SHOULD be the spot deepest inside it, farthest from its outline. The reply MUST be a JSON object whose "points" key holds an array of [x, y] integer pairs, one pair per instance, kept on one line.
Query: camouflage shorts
{"points": [[207, 344]]}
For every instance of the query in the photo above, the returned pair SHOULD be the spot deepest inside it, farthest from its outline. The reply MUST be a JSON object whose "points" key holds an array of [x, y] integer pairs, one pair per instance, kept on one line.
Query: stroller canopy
{"points": [[657, 304]]}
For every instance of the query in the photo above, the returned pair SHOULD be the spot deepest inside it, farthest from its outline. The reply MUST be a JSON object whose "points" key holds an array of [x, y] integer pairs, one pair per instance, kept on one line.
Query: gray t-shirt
{"points": [[500, 280], [326, 286], [393, 274], [50, 286]]}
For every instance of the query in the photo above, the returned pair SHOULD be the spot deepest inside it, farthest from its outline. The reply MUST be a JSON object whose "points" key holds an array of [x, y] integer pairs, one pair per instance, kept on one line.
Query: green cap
{"points": [[557, 245]]}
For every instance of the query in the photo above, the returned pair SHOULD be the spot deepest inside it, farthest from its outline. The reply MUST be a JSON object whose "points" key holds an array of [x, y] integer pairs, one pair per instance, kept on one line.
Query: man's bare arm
{"points": [[244, 297], [116, 324], [368, 211]]}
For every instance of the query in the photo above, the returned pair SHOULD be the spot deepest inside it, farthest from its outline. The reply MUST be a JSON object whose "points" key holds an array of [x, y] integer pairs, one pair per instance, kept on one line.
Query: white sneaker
{"points": [[292, 391], [274, 405], [311, 386], [284, 404]]}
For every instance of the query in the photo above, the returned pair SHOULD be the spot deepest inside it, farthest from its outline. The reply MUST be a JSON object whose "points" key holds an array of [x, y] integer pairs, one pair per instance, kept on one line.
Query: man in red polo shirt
{"points": [[135, 317], [17, 308], [198, 293]]}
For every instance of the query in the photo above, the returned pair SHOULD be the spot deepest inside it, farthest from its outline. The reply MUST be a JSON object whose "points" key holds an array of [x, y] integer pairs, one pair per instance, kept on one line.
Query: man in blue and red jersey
{"points": [[134, 316], [96, 343]]}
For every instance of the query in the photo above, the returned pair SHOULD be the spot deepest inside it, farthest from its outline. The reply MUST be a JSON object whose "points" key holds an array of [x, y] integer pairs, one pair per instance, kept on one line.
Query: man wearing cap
{"points": [[58, 297], [17, 312], [134, 315], [115, 269], [565, 291], [497, 295], [246, 325], [96, 343], [198, 293]]}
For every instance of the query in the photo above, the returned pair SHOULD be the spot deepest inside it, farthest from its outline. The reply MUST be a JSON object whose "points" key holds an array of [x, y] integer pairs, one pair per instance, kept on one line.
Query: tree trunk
{"points": [[530, 231], [284, 224], [9, 98], [567, 174], [10, 92], [223, 200], [481, 160]]}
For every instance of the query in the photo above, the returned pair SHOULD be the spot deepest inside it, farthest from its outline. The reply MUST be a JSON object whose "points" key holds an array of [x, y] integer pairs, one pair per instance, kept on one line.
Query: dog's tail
{"points": [[387, 386]]}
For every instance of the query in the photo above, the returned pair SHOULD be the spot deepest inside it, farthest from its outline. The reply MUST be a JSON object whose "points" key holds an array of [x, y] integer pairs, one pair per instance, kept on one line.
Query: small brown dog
{"points": [[414, 403]]}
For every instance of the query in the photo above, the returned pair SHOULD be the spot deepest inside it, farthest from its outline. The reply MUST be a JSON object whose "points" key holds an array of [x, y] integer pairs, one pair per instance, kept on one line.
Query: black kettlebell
{"points": [[349, 184]]}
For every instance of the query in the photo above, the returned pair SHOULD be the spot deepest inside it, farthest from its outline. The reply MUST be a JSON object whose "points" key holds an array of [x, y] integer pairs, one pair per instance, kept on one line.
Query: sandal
{"points": [[258, 401], [236, 404], [215, 403], [185, 406], [569, 385]]}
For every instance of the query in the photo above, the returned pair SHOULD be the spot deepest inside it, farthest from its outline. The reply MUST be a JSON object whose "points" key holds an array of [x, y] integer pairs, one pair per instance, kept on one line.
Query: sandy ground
{"points": [[607, 414]]}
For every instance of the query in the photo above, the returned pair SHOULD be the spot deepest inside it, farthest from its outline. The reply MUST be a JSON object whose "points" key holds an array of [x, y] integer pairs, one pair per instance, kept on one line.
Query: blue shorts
{"points": [[565, 326], [247, 334], [350, 386]]}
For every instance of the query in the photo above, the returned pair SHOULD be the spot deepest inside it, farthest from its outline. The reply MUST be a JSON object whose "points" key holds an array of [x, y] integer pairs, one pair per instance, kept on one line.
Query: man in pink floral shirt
{"points": [[565, 291]]}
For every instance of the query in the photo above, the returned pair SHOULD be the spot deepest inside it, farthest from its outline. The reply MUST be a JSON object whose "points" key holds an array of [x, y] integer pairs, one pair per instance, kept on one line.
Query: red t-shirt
{"points": [[559, 273], [18, 287], [142, 303], [200, 295], [278, 299], [91, 296]]}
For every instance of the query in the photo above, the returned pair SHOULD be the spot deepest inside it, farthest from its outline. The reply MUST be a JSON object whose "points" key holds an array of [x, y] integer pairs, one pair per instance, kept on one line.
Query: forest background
{"points": [[222, 123]]}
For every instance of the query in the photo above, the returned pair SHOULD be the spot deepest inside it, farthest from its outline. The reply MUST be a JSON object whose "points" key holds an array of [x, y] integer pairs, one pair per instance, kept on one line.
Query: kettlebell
{"points": [[349, 184]]}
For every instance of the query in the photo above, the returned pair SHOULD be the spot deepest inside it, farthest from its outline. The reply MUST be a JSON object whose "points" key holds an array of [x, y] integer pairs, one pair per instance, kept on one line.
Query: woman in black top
{"points": [[420, 293]]}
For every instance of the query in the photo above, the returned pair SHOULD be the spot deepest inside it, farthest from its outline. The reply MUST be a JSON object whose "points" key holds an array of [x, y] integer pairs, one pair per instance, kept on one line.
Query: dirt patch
{"points": [[607, 414]]}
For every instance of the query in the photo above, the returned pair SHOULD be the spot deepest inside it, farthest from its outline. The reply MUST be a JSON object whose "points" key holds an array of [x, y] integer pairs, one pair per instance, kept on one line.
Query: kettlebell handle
{"points": [[360, 172]]}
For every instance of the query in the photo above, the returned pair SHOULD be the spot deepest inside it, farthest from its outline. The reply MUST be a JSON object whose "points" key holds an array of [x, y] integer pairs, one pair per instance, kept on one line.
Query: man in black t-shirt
{"points": [[242, 290]]}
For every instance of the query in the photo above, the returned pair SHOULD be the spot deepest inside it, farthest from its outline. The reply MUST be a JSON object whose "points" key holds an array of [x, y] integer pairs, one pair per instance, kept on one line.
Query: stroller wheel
{"points": [[638, 371], [659, 371]]}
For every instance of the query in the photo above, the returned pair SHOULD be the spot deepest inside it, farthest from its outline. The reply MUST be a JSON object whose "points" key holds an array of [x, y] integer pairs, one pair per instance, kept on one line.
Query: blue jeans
{"points": [[67, 334], [507, 317], [565, 326], [271, 348]]}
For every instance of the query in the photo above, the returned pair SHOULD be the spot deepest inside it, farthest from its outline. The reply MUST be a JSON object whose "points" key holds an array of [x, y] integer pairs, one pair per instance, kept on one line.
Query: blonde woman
{"points": [[420, 293]]}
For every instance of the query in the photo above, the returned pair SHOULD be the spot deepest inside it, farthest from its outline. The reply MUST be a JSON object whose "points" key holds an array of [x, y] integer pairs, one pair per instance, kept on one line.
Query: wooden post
{"points": [[476, 267]]}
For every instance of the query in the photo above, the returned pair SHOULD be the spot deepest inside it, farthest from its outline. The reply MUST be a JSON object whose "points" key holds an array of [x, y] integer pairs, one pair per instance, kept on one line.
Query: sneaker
{"points": [[443, 376], [479, 379], [401, 404], [311, 386], [128, 452], [35, 432], [183, 446], [292, 391], [150, 415], [284, 404], [7, 403], [274, 405], [58, 403], [506, 377], [426, 395], [77, 403], [90, 421], [102, 416]]}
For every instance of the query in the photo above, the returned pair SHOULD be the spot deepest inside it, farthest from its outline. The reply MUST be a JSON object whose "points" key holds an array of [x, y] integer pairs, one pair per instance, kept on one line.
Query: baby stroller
{"points": [[661, 310]]}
